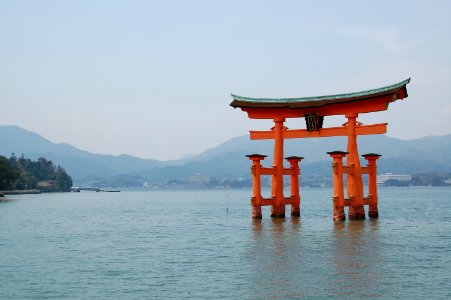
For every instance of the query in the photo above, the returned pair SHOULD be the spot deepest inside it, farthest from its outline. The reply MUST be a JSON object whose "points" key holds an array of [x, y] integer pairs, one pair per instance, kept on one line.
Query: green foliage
{"points": [[23, 173], [430, 179], [8, 174]]}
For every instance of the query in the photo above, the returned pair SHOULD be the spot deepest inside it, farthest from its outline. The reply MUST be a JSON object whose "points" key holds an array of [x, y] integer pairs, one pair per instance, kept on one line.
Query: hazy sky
{"points": [[153, 78]]}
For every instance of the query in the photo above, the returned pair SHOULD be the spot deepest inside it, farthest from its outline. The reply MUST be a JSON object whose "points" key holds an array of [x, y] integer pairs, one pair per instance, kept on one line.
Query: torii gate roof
{"points": [[327, 104]]}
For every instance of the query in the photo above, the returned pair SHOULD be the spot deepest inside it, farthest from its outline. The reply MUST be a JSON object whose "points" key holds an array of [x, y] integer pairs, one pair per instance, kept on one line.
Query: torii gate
{"points": [[314, 109]]}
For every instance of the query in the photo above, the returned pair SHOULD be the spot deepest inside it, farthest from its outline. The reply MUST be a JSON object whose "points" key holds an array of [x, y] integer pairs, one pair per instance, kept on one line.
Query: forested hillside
{"points": [[23, 173]]}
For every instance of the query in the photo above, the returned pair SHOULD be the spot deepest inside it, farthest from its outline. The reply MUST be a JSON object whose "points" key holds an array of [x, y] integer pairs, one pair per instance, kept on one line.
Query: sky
{"points": [[153, 78]]}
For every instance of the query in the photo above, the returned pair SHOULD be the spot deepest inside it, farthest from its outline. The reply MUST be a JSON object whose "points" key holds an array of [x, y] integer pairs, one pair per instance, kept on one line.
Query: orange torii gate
{"points": [[314, 109]]}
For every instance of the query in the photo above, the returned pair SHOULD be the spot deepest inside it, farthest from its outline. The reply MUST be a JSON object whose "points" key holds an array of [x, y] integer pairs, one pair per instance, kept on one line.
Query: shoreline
{"points": [[19, 192]]}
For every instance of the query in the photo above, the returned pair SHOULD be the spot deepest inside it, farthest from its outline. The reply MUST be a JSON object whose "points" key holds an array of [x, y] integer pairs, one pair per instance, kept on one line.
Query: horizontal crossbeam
{"points": [[323, 132], [272, 171], [270, 201], [366, 201]]}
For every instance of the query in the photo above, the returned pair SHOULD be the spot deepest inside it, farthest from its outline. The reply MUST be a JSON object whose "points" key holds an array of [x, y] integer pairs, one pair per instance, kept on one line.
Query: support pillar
{"points": [[355, 183], [278, 206], [256, 200], [338, 197], [372, 184], [294, 185]]}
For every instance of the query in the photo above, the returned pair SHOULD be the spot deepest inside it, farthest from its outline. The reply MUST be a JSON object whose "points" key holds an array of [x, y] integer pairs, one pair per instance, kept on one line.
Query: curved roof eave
{"points": [[239, 101]]}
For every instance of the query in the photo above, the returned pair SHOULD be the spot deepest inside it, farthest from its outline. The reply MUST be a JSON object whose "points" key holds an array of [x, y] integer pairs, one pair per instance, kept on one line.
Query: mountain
{"points": [[315, 150], [76, 162], [228, 160]]}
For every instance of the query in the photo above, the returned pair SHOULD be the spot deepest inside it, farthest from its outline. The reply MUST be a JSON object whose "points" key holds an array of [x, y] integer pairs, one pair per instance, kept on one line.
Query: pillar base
{"points": [[339, 216], [256, 212], [295, 212], [373, 212], [356, 213], [277, 215], [278, 211]]}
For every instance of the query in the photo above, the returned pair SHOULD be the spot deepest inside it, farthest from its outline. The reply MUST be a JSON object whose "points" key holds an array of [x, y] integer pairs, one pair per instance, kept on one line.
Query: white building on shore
{"points": [[382, 178]]}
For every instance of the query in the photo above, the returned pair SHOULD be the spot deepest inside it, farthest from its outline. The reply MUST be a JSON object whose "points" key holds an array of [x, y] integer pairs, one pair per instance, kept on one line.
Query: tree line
{"points": [[23, 173]]}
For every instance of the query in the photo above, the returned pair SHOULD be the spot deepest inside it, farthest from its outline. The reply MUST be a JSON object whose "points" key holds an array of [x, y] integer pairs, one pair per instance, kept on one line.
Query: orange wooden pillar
{"points": [[354, 178], [338, 197], [294, 184], [256, 200], [372, 184], [278, 206]]}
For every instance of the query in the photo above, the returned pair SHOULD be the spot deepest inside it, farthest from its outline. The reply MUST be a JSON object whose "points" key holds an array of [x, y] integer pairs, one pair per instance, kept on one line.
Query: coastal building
{"points": [[198, 179], [383, 178]]}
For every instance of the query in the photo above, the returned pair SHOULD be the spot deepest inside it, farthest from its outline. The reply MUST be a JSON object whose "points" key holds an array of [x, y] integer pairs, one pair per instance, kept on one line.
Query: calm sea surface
{"points": [[204, 245]]}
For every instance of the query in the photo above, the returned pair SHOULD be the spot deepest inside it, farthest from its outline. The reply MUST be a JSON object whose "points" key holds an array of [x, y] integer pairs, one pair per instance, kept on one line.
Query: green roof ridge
{"points": [[327, 97]]}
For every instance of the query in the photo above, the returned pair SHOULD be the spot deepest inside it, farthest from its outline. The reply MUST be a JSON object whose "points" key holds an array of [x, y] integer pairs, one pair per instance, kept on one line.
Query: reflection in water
{"points": [[277, 226], [275, 258], [290, 260], [295, 223], [356, 256], [257, 228]]}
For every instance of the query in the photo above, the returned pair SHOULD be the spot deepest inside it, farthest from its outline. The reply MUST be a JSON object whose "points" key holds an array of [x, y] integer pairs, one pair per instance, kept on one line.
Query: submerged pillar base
{"points": [[339, 216], [278, 216], [256, 212], [278, 207], [278, 212], [373, 212], [356, 213], [295, 210]]}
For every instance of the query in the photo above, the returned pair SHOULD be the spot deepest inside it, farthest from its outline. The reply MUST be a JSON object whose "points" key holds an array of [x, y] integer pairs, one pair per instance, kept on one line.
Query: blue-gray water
{"points": [[185, 244]]}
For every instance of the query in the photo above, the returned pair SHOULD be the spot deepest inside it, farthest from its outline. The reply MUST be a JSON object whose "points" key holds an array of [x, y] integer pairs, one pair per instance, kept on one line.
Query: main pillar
{"points": [[278, 206], [355, 183]]}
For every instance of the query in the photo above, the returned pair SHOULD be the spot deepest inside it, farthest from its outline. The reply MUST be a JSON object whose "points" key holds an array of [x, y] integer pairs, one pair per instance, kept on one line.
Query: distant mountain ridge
{"points": [[227, 160], [430, 154], [78, 163]]}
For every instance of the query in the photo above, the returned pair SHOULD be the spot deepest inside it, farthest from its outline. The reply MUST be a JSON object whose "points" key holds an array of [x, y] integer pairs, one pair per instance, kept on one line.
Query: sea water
{"points": [[205, 245]]}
